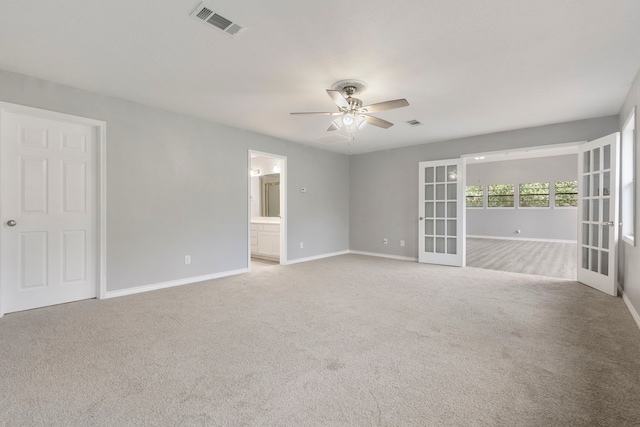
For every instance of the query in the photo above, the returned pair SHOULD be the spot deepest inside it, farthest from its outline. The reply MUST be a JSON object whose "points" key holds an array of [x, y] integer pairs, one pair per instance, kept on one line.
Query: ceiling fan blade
{"points": [[332, 127], [320, 113], [387, 105], [377, 122], [338, 98]]}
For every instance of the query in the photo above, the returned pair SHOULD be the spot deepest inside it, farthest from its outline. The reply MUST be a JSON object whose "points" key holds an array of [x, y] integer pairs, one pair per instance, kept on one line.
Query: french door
{"points": [[441, 238], [598, 213]]}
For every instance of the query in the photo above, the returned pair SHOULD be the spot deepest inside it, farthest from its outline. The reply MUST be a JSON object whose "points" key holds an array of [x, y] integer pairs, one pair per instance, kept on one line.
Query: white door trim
{"points": [[283, 205], [101, 184]]}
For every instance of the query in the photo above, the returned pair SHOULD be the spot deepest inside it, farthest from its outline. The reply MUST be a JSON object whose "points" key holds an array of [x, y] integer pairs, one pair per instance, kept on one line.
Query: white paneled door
{"points": [[598, 213], [441, 229], [48, 248]]}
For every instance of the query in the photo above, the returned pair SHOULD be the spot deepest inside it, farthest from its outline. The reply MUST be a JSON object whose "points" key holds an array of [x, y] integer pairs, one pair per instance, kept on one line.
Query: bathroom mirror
{"points": [[270, 186]]}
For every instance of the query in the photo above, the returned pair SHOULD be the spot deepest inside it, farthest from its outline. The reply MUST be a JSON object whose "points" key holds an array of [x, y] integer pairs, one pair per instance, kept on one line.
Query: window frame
{"points": [[534, 207], [482, 196], [515, 200], [628, 212], [577, 193]]}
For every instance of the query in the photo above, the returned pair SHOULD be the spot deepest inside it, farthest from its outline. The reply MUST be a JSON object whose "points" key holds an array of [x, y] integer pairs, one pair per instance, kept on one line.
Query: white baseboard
{"points": [[402, 258], [632, 309], [315, 257], [522, 238], [172, 283]]}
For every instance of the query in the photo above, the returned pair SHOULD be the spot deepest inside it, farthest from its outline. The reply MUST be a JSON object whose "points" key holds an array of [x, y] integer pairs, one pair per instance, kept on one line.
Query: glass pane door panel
{"points": [[595, 233], [429, 209], [428, 244], [428, 192], [585, 210], [452, 209], [440, 227], [452, 173], [594, 260], [596, 185], [585, 258], [440, 192], [605, 237], [606, 184], [428, 175], [441, 175], [451, 191], [605, 210], [587, 162], [595, 214], [439, 209], [440, 245], [604, 263], [606, 150], [451, 246], [585, 234], [428, 227], [596, 159], [451, 227], [586, 186]]}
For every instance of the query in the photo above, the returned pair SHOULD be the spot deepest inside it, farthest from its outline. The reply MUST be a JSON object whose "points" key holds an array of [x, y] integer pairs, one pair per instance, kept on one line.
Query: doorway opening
{"points": [[522, 211], [267, 210]]}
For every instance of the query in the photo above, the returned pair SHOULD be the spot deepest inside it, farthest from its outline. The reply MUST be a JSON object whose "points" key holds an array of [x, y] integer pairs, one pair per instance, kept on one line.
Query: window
{"points": [[566, 194], [534, 195], [475, 196], [501, 196], [628, 179]]}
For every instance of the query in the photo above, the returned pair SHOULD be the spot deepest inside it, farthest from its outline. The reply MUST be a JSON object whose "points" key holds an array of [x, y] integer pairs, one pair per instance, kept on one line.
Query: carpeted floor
{"points": [[552, 259], [343, 341]]}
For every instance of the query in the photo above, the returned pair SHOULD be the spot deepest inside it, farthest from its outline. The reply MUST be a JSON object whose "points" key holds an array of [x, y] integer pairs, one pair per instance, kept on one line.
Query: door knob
{"points": [[11, 223], [610, 223], [421, 218]]}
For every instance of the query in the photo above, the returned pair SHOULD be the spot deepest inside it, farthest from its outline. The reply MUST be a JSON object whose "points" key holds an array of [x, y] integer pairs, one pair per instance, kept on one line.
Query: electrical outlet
{"points": [[385, 241], [301, 245], [187, 259], [402, 243]]}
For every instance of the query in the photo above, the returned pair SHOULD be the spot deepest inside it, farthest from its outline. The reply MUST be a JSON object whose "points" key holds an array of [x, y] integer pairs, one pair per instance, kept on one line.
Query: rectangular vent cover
{"points": [[209, 17], [414, 123]]}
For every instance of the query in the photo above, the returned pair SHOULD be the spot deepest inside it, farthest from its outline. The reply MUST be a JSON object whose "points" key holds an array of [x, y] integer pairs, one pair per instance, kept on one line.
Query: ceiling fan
{"points": [[352, 114]]}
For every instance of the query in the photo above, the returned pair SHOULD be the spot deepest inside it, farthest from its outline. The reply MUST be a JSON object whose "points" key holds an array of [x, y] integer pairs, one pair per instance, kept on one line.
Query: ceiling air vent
{"points": [[210, 18], [414, 123]]}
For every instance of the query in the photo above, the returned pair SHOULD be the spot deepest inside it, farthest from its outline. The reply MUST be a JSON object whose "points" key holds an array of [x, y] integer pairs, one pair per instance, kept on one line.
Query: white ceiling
{"points": [[466, 67]]}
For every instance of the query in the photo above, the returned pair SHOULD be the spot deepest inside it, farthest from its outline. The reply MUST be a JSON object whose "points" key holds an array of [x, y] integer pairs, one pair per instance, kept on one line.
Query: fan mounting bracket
{"points": [[350, 87]]}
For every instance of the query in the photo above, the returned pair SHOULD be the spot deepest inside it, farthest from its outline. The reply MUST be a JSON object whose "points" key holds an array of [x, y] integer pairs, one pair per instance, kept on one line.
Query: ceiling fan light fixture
{"points": [[360, 122], [338, 122], [347, 120]]}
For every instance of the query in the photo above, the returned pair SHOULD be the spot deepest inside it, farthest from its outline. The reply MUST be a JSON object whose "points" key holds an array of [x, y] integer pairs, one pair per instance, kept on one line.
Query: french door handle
{"points": [[610, 223], [421, 218], [11, 223]]}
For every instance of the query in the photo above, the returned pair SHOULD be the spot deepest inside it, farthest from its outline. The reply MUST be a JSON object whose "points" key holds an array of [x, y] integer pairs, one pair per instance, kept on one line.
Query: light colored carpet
{"points": [[550, 259], [344, 341]]}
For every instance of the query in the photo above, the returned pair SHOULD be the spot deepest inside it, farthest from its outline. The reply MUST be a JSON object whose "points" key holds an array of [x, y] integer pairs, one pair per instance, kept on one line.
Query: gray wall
{"points": [[177, 185], [534, 223], [629, 256], [384, 184]]}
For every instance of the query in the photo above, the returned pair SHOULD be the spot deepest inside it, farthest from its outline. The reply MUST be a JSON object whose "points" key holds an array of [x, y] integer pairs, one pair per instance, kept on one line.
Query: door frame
{"points": [[283, 205], [101, 185]]}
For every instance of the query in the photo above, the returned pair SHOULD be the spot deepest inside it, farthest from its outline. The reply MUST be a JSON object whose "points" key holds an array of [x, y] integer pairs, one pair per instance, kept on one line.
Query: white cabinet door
{"points": [[48, 189]]}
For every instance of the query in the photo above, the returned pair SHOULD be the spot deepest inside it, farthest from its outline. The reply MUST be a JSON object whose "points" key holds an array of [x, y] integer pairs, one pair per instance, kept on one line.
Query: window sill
{"points": [[629, 240]]}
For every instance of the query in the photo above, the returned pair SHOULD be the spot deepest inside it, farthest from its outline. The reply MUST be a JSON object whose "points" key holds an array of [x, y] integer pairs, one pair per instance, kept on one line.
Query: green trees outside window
{"points": [[566, 194], [500, 196], [534, 195], [475, 196]]}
